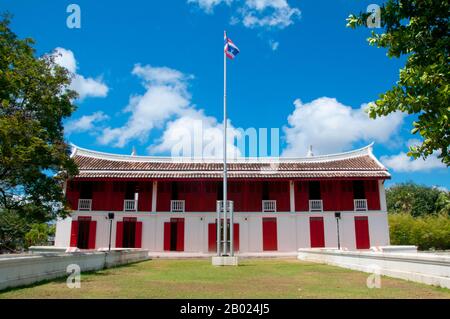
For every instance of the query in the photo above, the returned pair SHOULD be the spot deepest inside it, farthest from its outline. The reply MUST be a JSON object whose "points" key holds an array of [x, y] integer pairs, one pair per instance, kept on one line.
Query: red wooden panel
{"points": [[270, 234], [236, 237], [254, 193], [212, 237], [316, 231], [327, 189], [119, 235], [92, 234], [346, 202], [163, 197], [74, 234], [372, 195], [167, 236], [138, 238], [362, 232], [301, 197], [279, 191], [72, 199], [145, 197], [180, 234]]}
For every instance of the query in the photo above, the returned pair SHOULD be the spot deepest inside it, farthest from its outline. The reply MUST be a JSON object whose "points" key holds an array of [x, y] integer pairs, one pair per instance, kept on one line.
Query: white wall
{"points": [[24, 270], [292, 229], [420, 267]]}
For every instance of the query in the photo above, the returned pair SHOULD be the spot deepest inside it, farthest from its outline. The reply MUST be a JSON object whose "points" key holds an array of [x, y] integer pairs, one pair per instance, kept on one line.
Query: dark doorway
{"points": [[83, 234], [314, 190], [130, 190], [85, 190], [129, 233], [174, 234], [219, 190], [265, 191], [175, 191], [358, 190]]}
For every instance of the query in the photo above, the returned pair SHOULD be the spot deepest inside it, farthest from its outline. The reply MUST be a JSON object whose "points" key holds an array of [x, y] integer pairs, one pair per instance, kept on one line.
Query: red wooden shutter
{"points": [[74, 234], [270, 234], [167, 236], [180, 234], [212, 237], [119, 235], [362, 232], [92, 234], [138, 238], [236, 237], [316, 230]]}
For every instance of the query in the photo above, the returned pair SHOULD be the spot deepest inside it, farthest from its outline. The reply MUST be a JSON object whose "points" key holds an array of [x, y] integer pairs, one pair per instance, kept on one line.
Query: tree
{"points": [[39, 234], [417, 200], [419, 30], [34, 158]]}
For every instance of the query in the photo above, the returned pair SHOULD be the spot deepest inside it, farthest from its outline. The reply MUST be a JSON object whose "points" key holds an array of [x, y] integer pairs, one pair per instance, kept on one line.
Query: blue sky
{"points": [[147, 70]]}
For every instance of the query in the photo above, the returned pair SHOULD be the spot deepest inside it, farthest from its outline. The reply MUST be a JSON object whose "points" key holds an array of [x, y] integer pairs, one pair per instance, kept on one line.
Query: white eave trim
{"points": [[367, 150]]}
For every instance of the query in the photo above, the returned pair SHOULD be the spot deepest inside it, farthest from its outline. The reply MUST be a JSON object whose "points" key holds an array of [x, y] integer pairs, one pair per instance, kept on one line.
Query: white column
{"points": [[154, 195], [292, 195], [382, 192]]}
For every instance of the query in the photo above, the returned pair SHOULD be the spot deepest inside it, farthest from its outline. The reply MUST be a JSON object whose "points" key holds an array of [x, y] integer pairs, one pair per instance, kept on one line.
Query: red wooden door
{"points": [[74, 234], [270, 234], [362, 232], [167, 236], [92, 234], [316, 231], [236, 237], [119, 235], [212, 237], [138, 238]]}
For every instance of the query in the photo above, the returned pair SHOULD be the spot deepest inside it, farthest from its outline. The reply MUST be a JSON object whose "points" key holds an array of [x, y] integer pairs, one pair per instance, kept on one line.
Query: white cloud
{"points": [[256, 13], [86, 87], [197, 135], [166, 104], [268, 13], [333, 127], [85, 123], [165, 97], [209, 5], [403, 163]]}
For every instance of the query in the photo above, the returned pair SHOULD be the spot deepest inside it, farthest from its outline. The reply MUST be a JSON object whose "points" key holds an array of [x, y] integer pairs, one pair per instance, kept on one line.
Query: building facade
{"points": [[164, 204]]}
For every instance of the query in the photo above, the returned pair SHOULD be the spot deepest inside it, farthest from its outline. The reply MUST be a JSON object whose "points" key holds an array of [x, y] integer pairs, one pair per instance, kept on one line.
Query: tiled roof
{"points": [[355, 164]]}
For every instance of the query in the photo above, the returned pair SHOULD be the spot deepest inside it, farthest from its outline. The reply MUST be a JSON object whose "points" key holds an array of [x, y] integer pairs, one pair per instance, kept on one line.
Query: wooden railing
{"points": [[315, 205], [177, 206], [85, 204], [130, 205], [269, 206], [360, 204]]}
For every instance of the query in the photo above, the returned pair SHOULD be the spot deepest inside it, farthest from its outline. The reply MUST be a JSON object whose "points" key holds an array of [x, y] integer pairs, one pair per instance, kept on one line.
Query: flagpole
{"points": [[225, 202]]}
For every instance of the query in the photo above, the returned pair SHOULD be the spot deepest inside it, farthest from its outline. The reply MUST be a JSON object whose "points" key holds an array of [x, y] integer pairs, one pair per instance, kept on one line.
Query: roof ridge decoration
{"points": [[364, 151]]}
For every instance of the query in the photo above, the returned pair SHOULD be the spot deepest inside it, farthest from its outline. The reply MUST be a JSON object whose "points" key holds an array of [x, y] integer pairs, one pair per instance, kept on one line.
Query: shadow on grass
{"points": [[63, 278]]}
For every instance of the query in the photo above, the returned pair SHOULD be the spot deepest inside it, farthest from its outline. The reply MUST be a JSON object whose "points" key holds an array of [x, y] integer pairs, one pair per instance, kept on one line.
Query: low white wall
{"points": [[419, 267], [27, 269]]}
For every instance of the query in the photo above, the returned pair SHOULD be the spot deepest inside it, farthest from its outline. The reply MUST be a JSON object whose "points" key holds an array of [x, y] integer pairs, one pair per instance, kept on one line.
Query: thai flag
{"points": [[231, 50]]}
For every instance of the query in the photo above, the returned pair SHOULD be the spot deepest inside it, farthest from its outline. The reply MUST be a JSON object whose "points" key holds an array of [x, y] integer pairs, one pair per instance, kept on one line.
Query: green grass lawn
{"points": [[254, 278]]}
